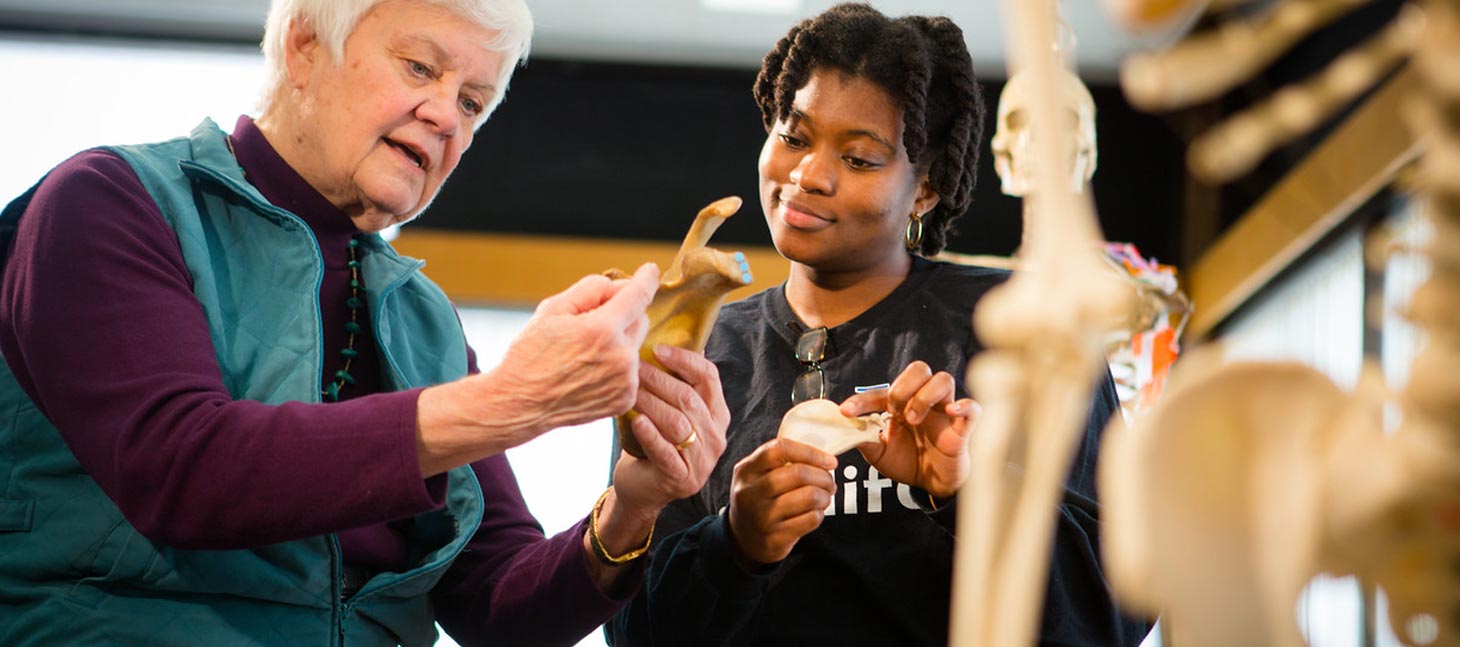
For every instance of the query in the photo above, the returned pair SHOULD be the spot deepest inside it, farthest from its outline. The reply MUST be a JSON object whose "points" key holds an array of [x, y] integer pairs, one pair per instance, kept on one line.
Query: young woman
{"points": [[874, 126]]}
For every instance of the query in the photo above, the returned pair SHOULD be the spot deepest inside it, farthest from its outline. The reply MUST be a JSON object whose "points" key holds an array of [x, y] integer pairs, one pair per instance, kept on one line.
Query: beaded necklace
{"points": [[331, 390]]}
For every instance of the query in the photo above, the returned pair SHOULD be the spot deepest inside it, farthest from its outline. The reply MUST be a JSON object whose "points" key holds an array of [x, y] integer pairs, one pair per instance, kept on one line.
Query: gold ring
{"points": [[684, 444]]}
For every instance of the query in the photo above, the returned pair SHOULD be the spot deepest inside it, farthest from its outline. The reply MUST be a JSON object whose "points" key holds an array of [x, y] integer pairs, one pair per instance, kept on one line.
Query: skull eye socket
{"points": [[1016, 119]]}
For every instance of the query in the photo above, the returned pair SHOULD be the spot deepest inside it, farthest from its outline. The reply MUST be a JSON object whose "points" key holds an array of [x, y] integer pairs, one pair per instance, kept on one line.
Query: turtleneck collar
{"points": [[282, 186]]}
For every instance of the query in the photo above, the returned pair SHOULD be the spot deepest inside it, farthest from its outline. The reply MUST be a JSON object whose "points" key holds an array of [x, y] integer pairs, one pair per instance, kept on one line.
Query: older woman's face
{"points": [[385, 127]]}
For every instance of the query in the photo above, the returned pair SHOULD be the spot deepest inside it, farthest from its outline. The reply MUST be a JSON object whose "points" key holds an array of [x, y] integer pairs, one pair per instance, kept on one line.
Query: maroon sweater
{"points": [[99, 324]]}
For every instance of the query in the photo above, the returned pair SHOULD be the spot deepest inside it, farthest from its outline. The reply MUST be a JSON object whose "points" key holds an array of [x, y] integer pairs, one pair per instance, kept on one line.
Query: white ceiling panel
{"points": [[696, 32]]}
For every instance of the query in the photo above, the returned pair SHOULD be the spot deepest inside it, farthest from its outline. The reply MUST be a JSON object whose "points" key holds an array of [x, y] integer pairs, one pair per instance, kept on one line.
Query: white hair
{"points": [[334, 20]]}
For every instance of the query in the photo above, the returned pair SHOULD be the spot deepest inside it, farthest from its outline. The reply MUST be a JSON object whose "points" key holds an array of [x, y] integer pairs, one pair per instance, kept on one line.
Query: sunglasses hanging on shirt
{"points": [[811, 349]]}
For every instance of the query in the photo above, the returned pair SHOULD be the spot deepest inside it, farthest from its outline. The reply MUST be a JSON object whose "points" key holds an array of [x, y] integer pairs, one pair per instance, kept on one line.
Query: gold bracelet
{"points": [[602, 553]]}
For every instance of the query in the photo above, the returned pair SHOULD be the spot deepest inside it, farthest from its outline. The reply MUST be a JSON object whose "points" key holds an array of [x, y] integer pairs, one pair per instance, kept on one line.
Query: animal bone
{"points": [[690, 294], [820, 424], [1043, 330]]}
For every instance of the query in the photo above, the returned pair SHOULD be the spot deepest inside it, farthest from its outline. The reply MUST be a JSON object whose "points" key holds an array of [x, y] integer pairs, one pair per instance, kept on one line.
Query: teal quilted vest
{"points": [[73, 572]]}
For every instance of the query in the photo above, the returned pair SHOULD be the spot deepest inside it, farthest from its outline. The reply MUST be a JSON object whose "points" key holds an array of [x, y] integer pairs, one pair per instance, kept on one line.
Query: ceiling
{"points": [[690, 32]]}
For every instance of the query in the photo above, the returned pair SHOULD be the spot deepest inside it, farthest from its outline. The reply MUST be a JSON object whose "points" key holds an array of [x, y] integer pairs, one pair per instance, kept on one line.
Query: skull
{"points": [[1012, 145]]}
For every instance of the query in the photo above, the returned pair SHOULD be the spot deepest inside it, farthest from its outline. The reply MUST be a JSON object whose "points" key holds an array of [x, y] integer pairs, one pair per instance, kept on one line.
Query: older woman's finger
{"points": [[637, 330], [691, 367], [676, 408], [632, 298], [704, 377], [588, 293], [660, 452]]}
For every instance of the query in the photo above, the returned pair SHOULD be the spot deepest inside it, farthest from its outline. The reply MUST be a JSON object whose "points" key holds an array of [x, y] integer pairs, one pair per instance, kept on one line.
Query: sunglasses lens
{"points": [[811, 346], [808, 386]]}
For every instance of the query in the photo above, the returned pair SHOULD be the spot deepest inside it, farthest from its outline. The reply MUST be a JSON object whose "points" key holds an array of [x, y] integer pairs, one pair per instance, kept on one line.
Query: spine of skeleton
{"points": [[1430, 402]]}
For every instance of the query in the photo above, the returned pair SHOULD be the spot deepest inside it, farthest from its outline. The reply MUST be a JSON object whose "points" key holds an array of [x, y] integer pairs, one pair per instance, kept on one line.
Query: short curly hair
{"points": [[335, 20], [923, 63]]}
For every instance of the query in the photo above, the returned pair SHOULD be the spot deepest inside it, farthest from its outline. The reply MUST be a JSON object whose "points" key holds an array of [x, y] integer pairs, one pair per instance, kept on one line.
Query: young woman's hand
{"points": [[779, 493], [925, 444]]}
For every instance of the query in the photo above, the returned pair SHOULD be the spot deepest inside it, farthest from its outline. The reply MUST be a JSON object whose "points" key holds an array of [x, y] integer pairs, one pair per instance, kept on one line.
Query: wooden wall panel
{"points": [[1355, 162], [511, 270]]}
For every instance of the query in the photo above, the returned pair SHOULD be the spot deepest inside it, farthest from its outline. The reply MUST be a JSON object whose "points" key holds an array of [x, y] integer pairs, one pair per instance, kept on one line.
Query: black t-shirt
{"points": [[878, 571]]}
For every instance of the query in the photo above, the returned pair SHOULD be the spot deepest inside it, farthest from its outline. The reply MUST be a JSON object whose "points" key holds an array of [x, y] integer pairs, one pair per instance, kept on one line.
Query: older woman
{"points": [[232, 415]]}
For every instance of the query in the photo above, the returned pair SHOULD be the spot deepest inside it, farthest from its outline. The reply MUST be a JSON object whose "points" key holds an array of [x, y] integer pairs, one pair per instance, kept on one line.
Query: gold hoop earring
{"points": [[914, 234]]}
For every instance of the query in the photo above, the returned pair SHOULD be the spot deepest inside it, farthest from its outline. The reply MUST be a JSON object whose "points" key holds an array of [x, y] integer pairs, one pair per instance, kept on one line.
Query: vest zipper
{"points": [[337, 587]]}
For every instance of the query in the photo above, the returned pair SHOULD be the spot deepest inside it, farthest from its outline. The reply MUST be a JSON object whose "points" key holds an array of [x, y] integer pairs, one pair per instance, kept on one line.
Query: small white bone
{"points": [[820, 424]]}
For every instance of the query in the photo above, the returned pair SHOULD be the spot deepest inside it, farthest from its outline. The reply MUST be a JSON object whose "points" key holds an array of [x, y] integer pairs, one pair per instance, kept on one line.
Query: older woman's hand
{"points": [[576, 360], [681, 426], [925, 443]]}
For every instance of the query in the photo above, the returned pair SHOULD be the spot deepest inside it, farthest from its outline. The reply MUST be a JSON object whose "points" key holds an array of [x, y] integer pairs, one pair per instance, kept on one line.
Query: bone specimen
{"points": [[1407, 536], [1044, 330], [1249, 479], [820, 424], [690, 294]]}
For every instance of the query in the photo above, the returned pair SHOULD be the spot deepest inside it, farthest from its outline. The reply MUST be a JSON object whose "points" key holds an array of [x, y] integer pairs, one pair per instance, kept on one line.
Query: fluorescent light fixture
{"points": [[753, 6]]}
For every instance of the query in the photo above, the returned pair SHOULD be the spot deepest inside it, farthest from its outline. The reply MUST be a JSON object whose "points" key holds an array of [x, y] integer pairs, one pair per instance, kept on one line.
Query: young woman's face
{"points": [[835, 181]]}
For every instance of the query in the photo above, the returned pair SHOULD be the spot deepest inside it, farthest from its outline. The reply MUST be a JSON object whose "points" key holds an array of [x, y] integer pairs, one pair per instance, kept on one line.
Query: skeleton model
{"points": [[1205, 66], [1249, 479], [1013, 147], [1044, 330], [690, 294], [1141, 349]]}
